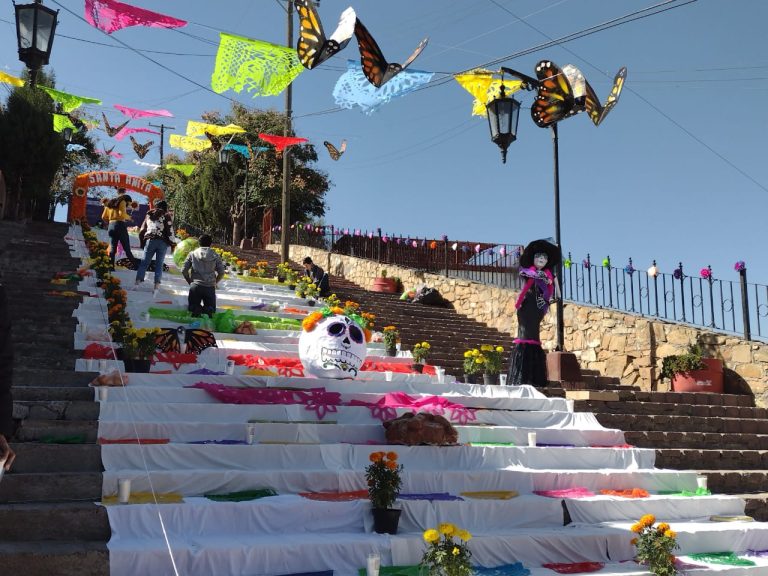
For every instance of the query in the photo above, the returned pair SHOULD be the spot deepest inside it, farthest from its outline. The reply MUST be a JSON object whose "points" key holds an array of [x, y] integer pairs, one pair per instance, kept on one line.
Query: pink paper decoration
{"points": [[110, 16], [136, 113], [126, 131], [281, 142]]}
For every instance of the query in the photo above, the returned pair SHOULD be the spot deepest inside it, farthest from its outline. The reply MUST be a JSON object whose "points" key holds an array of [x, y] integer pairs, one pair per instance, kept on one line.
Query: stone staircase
{"points": [[721, 435], [49, 524]]}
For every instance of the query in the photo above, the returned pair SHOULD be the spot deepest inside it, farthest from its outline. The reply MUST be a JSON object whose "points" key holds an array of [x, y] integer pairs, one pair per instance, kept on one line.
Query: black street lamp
{"points": [[35, 29], [503, 115]]}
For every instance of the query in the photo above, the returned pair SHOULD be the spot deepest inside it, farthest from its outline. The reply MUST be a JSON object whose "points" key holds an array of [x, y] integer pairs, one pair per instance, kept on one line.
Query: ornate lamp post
{"points": [[35, 29], [503, 115]]}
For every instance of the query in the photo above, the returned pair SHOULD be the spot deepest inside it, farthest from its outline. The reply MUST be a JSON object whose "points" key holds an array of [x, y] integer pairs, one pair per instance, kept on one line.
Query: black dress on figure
{"points": [[528, 363]]}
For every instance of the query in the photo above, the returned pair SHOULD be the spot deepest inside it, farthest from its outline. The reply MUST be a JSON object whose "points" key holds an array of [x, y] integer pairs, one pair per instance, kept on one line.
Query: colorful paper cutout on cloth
{"points": [[242, 496], [574, 567], [630, 493], [70, 439], [575, 492], [317, 400], [281, 142], [189, 144], [185, 169], [127, 131], [484, 87], [200, 128], [146, 164], [687, 493], [336, 496], [146, 498], [375, 67], [385, 408], [134, 113], [724, 558], [69, 102], [95, 351], [113, 130], [141, 149], [431, 496], [353, 89], [12, 80], [61, 121], [492, 494], [110, 16], [313, 47], [259, 67], [516, 569], [335, 153], [394, 571]]}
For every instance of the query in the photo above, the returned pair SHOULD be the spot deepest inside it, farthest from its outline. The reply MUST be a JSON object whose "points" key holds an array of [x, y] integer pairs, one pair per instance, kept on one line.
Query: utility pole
{"points": [[286, 198], [162, 138]]}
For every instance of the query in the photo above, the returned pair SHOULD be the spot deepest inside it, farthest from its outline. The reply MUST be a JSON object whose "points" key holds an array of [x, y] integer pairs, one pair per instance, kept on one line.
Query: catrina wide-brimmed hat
{"points": [[541, 246]]}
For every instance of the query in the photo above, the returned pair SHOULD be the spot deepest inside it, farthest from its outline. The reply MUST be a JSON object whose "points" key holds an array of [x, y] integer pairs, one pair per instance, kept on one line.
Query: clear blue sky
{"points": [[640, 185]]}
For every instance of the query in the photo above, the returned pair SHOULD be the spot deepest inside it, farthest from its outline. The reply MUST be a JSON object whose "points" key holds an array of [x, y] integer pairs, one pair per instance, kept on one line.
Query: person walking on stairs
{"points": [[116, 213], [202, 270], [155, 236]]}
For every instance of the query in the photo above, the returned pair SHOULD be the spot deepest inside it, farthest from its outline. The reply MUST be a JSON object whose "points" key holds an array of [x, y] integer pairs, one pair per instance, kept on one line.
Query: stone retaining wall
{"points": [[625, 346]]}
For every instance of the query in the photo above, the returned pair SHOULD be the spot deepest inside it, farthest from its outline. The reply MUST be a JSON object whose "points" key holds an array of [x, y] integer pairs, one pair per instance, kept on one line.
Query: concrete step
{"points": [[695, 440], [53, 522], [664, 422], [53, 394], [57, 432], [50, 487], [757, 506], [736, 481], [30, 375], [692, 459], [671, 409], [56, 409], [55, 558], [35, 457]]}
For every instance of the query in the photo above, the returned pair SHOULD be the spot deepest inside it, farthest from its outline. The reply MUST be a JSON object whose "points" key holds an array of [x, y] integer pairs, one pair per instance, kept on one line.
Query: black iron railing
{"points": [[728, 306]]}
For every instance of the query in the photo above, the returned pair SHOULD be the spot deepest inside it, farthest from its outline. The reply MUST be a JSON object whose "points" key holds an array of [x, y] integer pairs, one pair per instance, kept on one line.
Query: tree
{"points": [[32, 154], [214, 197]]}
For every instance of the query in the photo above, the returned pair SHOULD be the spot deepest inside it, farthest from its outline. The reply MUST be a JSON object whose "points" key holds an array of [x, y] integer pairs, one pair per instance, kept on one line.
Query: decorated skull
{"points": [[333, 348]]}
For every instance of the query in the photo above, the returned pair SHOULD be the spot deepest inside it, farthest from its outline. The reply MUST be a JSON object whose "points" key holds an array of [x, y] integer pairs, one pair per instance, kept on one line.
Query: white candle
{"points": [[103, 392], [701, 482], [388, 375], [531, 438], [373, 564], [503, 379], [124, 490], [440, 375]]}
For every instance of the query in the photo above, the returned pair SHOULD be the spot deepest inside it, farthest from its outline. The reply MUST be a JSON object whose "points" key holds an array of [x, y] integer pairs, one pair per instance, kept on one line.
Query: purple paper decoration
{"points": [[502, 251]]}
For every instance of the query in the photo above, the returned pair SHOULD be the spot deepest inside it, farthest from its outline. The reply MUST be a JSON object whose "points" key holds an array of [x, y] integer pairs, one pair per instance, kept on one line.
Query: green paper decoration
{"points": [[243, 496], [606, 263], [261, 68], [185, 169], [68, 102], [727, 558], [688, 493], [395, 571], [60, 122]]}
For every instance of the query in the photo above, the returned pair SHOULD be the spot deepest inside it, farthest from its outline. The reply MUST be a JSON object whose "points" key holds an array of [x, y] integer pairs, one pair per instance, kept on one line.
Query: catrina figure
{"points": [[527, 364]]}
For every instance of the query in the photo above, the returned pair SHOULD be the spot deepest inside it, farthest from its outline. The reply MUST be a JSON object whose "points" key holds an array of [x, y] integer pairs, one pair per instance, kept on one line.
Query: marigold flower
{"points": [[648, 520], [447, 528], [391, 465], [468, 354], [670, 533], [637, 528], [499, 349], [391, 455], [455, 551], [663, 527], [464, 535], [633, 541], [431, 535]]}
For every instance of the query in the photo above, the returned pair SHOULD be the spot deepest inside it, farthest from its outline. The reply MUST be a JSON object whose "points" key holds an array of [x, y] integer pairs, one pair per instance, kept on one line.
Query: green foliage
{"points": [[678, 363], [655, 545], [447, 553], [214, 197]]}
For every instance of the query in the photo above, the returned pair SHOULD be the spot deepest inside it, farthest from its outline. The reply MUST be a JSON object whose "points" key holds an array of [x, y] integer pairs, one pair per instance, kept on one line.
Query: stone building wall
{"points": [[625, 346]]}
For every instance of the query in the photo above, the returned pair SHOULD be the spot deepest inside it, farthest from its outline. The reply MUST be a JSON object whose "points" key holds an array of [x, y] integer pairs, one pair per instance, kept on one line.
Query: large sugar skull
{"points": [[333, 348]]}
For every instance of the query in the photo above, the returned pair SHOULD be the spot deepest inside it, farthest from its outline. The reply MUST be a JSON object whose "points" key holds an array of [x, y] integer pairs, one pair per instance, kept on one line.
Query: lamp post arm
{"points": [[529, 83]]}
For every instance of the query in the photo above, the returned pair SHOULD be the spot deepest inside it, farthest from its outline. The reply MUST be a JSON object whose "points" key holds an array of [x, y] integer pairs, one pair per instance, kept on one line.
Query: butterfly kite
{"points": [[313, 47], [141, 149], [109, 152], [597, 112], [111, 131], [195, 340], [376, 68], [333, 151]]}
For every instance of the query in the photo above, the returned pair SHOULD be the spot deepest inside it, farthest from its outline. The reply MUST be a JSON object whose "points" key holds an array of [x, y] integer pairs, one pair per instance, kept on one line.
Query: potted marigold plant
{"points": [[474, 364], [138, 347], [654, 545], [447, 553], [391, 338], [492, 361], [384, 482], [420, 353]]}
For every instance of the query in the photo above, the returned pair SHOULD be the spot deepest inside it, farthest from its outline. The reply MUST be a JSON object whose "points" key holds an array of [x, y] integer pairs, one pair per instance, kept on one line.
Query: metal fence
{"points": [[729, 306]]}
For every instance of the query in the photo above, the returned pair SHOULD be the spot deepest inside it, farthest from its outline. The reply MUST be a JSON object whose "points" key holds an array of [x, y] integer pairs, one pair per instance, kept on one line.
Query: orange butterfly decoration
{"points": [[313, 47], [375, 67], [554, 99], [141, 149], [333, 151], [109, 129]]}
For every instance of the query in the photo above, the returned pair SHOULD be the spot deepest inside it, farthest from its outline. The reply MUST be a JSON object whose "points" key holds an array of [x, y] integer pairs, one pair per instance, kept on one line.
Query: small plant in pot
{"points": [[420, 353], [384, 483], [492, 361], [691, 372], [384, 284], [311, 292], [391, 338], [474, 364]]}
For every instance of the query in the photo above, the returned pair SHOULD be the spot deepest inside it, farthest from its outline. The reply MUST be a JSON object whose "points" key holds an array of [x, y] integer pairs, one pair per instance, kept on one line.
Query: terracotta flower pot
{"points": [[710, 379], [384, 285]]}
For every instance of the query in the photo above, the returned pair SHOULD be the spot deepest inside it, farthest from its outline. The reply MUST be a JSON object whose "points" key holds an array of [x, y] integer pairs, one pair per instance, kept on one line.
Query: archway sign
{"points": [[77, 203]]}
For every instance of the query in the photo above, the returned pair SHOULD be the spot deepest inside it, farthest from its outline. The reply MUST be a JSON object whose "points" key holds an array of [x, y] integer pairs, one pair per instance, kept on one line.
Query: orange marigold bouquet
{"points": [[654, 545], [383, 476]]}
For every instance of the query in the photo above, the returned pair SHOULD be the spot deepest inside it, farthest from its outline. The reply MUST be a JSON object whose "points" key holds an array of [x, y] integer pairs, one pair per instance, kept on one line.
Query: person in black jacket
{"points": [[6, 372], [155, 236], [317, 275]]}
